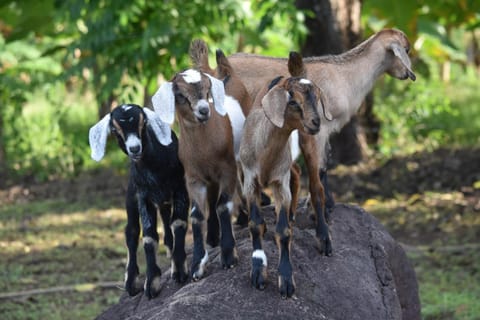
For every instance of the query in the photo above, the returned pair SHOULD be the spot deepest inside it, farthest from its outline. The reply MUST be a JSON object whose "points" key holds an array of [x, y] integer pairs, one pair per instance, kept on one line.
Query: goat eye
{"points": [[180, 98], [293, 104]]}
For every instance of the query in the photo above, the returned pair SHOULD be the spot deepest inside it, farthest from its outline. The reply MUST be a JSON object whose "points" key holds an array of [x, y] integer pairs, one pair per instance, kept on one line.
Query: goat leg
{"points": [[148, 215], [200, 255], [257, 228], [283, 237], [227, 240], [329, 201], [133, 284]]}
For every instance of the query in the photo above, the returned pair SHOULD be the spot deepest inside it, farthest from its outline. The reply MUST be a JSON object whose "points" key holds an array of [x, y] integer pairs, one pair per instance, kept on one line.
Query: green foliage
{"points": [[425, 115], [125, 42]]}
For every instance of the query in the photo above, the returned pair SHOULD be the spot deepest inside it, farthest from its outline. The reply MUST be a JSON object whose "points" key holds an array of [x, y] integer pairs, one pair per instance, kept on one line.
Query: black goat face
{"points": [[128, 123]]}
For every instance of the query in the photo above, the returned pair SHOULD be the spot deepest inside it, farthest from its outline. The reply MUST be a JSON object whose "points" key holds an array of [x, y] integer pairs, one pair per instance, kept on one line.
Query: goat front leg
{"points": [[200, 255], [148, 215], [257, 228], [283, 237], [227, 240], [178, 228], [133, 284], [295, 173]]}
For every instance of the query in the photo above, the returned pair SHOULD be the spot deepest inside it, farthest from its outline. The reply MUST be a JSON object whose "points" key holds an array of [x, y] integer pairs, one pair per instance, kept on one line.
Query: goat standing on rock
{"points": [[206, 150], [289, 104], [156, 182], [344, 80]]}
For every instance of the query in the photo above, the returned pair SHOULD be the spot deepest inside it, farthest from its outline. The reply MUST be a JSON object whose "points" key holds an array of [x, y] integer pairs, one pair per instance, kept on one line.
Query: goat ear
{"points": [[218, 93], [97, 138], [163, 102], [400, 53], [274, 104], [162, 130]]}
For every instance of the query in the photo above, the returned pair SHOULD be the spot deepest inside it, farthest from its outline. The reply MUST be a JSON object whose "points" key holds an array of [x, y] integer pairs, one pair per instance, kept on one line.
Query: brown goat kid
{"points": [[238, 105], [207, 153], [288, 104]]}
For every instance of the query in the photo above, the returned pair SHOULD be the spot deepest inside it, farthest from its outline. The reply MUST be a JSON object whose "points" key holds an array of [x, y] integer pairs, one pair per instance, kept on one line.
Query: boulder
{"points": [[367, 277]]}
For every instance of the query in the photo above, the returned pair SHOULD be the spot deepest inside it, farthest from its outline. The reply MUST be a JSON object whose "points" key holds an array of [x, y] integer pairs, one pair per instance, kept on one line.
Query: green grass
{"points": [[443, 247], [48, 244]]}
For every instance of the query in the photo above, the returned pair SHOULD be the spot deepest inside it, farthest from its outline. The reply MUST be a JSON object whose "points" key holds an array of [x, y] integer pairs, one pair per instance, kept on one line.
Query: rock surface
{"points": [[368, 277]]}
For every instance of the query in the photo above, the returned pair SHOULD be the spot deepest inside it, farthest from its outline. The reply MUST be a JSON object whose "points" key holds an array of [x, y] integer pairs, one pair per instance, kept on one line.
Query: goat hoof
{"points": [[258, 274], [325, 246], [152, 287], [242, 219], [229, 258], [180, 277], [133, 285], [286, 286]]}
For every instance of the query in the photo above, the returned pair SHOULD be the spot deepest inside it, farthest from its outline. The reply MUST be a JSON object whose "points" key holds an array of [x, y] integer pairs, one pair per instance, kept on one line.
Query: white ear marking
{"points": [[163, 102], [162, 130], [97, 138], [218, 93]]}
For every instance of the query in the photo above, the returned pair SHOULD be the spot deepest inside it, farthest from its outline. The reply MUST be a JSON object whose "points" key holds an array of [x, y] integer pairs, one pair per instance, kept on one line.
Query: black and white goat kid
{"points": [[156, 182]]}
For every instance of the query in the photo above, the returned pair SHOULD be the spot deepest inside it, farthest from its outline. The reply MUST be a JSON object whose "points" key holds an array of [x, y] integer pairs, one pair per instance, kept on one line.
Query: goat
{"points": [[207, 152], [238, 104], [156, 181], [344, 80], [289, 104]]}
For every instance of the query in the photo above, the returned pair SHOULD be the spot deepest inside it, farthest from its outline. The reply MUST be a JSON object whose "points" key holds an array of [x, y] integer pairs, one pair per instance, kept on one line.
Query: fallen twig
{"points": [[76, 287]]}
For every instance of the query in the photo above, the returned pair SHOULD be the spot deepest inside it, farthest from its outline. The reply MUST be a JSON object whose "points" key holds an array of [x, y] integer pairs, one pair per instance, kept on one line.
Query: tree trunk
{"points": [[335, 28]]}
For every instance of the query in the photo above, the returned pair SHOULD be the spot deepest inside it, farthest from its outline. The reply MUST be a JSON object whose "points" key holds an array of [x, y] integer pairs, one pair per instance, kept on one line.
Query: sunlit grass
{"points": [[48, 244]]}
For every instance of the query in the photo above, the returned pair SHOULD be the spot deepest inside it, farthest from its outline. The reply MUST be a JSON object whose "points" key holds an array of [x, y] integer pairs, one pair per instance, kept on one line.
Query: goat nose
{"points": [[134, 149], [316, 122], [204, 111]]}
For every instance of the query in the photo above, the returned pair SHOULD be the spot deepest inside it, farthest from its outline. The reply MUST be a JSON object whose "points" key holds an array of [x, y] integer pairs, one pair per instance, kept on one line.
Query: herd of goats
{"points": [[241, 127]]}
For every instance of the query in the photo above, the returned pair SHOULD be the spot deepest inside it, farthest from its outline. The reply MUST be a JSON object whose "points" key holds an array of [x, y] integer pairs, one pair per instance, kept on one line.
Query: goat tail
{"points": [[224, 68], [199, 55]]}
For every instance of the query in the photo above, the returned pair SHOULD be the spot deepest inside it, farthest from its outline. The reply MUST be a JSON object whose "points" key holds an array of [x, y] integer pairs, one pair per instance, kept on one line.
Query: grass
{"points": [[440, 230], [51, 243]]}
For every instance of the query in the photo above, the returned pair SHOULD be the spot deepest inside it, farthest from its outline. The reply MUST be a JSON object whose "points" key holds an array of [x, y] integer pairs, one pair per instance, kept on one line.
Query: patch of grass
{"points": [[441, 230], [58, 243]]}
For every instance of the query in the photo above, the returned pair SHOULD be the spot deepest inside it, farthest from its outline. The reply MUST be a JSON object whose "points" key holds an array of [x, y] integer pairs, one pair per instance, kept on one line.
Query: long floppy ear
{"points": [[163, 102], [97, 138], [162, 130], [400, 53], [218, 93], [274, 104], [321, 103]]}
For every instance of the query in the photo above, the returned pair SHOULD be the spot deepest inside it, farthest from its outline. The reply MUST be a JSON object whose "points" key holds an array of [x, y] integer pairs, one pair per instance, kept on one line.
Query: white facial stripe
{"points": [[126, 107], [305, 81], [260, 254], [191, 76], [237, 120], [132, 141]]}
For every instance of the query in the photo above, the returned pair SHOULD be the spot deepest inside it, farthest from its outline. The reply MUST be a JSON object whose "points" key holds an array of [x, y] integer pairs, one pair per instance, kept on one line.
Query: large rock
{"points": [[368, 277]]}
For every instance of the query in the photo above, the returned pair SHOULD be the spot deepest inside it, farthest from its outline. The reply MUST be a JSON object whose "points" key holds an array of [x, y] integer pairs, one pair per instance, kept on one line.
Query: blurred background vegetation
{"points": [[65, 63]]}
